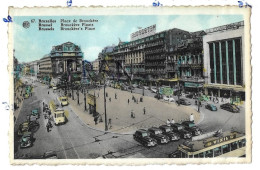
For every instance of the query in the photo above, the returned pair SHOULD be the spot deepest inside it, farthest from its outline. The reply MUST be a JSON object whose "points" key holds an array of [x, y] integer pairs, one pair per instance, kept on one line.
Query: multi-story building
{"points": [[189, 64], [95, 65], [224, 60], [64, 58]]}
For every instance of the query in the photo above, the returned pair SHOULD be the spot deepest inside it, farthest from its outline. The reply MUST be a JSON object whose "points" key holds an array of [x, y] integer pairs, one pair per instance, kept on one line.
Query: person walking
{"points": [[109, 99], [115, 96], [192, 117], [48, 92], [144, 110], [132, 114], [128, 101], [96, 120]]}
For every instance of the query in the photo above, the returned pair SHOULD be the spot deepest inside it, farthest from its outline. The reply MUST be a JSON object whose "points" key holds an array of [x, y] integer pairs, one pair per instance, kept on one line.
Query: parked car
{"points": [[146, 87], [23, 128], [158, 96], [157, 134], [135, 85], [26, 140], [190, 126], [178, 128], [131, 88], [54, 87], [190, 96], [167, 130], [168, 98], [35, 112], [154, 90], [211, 107], [183, 102], [230, 107], [142, 136]]}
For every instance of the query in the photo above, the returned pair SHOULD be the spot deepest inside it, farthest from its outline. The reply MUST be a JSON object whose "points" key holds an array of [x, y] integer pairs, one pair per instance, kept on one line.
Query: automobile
{"points": [[178, 128], [142, 136], [190, 126], [135, 85], [26, 96], [157, 134], [158, 96], [168, 98], [230, 107], [154, 90], [23, 128], [49, 155], [146, 87], [123, 87], [130, 87], [183, 102], [190, 96], [63, 101], [54, 87], [35, 112], [211, 107], [26, 140], [167, 130]]}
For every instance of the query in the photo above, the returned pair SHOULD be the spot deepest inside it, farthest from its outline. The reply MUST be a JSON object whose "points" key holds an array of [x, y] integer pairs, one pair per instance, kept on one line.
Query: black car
{"points": [[211, 107], [157, 134], [230, 107], [190, 126], [183, 102], [142, 136], [190, 96], [178, 128], [167, 130]]}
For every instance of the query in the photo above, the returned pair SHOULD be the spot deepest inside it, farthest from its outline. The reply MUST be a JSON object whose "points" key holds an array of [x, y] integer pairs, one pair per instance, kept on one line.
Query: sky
{"points": [[31, 44]]}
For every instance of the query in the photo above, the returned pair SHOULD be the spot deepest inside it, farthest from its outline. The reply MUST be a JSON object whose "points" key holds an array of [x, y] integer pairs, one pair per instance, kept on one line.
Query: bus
{"points": [[58, 114], [227, 144]]}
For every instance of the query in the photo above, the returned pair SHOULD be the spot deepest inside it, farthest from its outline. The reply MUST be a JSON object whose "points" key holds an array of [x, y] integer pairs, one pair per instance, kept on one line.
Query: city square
{"points": [[158, 92]]}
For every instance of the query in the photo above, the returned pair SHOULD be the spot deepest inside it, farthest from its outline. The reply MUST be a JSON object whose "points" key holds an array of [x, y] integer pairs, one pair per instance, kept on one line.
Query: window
{"points": [[209, 154], [217, 151], [234, 145]]}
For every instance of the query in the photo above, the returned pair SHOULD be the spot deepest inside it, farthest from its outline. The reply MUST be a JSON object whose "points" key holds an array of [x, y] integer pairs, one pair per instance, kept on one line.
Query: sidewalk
{"points": [[118, 110]]}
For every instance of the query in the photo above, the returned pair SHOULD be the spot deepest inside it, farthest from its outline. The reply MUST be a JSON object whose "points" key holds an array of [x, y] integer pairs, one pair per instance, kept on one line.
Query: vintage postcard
{"points": [[130, 85]]}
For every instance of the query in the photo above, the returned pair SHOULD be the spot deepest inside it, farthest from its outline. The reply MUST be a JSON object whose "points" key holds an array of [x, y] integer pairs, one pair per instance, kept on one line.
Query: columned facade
{"points": [[224, 62]]}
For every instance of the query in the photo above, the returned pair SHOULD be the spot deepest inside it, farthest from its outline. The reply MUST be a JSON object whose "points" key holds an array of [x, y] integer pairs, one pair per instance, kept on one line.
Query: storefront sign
{"points": [[91, 99], [220, 140], [195, 85], [166, 91], [143, 32]]}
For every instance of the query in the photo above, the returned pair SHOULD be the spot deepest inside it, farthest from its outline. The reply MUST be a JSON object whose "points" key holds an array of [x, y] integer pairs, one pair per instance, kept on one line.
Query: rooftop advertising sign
{"points": [[143, 32]]}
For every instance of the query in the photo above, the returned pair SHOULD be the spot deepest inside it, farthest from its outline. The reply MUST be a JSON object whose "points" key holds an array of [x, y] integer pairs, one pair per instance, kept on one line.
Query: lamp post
{"points": [[105, 108], [85, 102]]}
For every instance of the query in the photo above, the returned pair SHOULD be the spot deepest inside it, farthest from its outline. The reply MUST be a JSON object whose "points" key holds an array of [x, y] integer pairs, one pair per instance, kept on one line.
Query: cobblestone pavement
{"points": [[119, 111]]}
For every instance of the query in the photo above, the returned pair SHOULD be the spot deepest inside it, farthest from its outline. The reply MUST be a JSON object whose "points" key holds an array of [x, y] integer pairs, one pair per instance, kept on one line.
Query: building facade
{"points": [[224, 61], [64, 58]]}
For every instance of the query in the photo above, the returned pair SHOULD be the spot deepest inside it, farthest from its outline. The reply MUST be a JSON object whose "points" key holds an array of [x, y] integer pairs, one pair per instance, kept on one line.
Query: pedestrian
{"points": [[172, 121], [106, 94], [136, 101], [133, 97], [191, 117], [115, 96], [95, 120], [98, 95], [132, 114], [48, 92], [109, 99], [48, 127], [168, 123], [128, 101], [144, 110], [110, 123], [42, 104]]}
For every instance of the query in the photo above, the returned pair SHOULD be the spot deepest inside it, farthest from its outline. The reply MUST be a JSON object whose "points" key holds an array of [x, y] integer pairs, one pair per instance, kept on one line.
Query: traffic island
{"points": [[149, 113]]}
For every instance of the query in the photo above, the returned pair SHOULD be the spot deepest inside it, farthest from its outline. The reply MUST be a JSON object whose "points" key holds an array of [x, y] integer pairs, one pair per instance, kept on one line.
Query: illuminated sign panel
{"points": [[143, 32]]}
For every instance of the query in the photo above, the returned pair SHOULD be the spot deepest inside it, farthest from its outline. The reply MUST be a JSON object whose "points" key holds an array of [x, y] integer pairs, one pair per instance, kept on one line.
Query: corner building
{"points": [[224, 57]]}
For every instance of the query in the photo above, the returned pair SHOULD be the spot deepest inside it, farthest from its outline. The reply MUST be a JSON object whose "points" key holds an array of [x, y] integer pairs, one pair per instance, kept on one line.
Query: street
{"points": [[78, 139]]}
